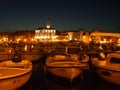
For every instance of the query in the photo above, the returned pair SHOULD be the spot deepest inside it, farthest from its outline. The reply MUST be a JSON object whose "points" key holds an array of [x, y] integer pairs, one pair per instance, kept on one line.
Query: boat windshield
{"points": [[115, 60], [58, 52], [63, 60]]}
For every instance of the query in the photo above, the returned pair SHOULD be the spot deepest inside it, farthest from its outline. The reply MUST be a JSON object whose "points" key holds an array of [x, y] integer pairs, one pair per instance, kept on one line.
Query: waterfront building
{"points": [[104, 37], [46, 34], [22, 36], [75, 35], [86, 38]]}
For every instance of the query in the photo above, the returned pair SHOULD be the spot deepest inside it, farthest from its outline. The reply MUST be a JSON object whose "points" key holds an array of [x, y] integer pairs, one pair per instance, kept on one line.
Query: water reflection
{"points": [[36, 81], [40, 81], [61, 85]]}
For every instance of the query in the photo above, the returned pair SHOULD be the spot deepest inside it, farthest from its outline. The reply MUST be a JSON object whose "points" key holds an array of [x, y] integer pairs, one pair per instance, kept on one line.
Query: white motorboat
{"points": [[65, 66], [108, 67], [13, 75]]}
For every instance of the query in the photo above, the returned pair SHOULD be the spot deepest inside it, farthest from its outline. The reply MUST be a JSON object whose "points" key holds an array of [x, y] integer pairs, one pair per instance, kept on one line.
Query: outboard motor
{"points": [[101, 56], [17, 57]]}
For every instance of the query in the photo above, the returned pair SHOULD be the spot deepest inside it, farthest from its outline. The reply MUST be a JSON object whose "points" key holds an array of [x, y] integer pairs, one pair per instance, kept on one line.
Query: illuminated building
{"points": [[46, 34], [79, 36], [86, 38], [21, 36], [75, 35], [104, 37], [4, 37], [70, 35]]}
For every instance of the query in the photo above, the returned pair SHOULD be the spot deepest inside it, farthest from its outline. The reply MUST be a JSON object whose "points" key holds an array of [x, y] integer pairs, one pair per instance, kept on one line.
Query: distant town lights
{"points": [[25, 40]]}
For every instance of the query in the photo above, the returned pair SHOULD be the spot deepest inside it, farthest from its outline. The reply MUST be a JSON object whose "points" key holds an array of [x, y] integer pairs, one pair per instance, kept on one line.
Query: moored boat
{"points": [[31, 56], [13, 75], [107, 67], [6, 53], [65, 65], [30, 52]]}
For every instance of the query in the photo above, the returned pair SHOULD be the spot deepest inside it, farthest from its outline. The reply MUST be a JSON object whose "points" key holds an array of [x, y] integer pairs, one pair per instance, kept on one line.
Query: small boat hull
{"points": [[65, 67], [109, 68], [6, 56], [67, 73], [14, 83], [31, 57], [14, 75], [6, 53], [109, 76]]}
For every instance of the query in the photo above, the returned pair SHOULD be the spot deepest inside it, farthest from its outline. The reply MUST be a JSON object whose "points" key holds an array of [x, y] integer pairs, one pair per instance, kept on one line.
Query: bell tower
{"points": [[48, 23]]}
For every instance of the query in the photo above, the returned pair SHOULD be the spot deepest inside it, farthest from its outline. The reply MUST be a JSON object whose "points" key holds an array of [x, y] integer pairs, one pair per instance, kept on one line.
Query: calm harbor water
{"points": [[40, 81]]}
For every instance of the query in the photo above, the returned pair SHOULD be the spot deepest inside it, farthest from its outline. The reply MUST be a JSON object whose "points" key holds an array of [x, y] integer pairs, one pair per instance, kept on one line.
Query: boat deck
{"points": [[10, 72]]}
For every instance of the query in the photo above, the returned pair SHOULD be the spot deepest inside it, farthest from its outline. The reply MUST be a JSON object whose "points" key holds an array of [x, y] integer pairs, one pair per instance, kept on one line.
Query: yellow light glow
{"points": [[32, 39], [18, 39], [25, 48], [25, 40]]}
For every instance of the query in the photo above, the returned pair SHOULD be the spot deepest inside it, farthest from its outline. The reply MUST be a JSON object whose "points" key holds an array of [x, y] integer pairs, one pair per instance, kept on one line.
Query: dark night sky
{"points": [[64, 14]]}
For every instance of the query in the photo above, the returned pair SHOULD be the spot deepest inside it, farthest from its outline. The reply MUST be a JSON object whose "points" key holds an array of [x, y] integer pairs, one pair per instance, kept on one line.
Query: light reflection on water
{"points": [[40, 81]]}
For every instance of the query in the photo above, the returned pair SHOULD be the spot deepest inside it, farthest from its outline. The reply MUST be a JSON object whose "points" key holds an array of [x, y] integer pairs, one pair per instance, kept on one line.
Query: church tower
{"points": [[45, 34], [48, 23]]}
